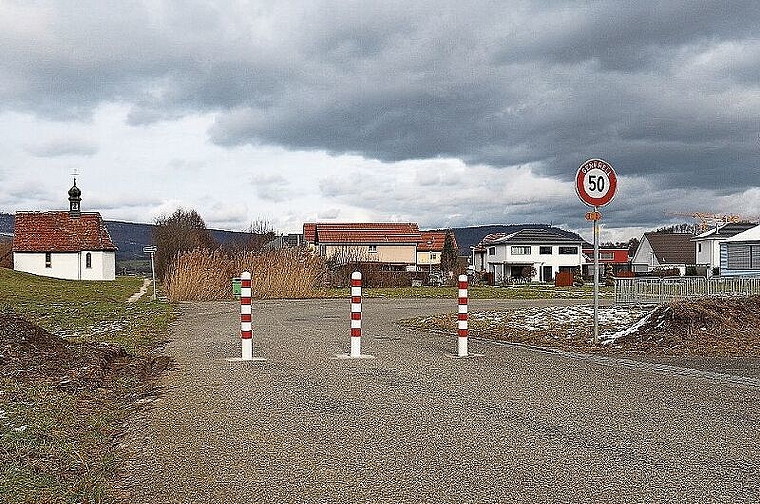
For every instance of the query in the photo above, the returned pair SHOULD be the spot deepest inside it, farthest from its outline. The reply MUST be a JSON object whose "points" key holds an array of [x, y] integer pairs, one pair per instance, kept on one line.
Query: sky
{"points": [[443, 113]]}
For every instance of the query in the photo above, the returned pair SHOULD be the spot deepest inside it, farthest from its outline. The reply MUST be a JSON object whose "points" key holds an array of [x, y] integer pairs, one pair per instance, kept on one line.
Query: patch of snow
{"points": [[608, 339]]}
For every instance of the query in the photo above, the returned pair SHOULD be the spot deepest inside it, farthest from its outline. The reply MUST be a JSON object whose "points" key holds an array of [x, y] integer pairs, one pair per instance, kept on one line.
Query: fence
{"points": [[661, 290]]}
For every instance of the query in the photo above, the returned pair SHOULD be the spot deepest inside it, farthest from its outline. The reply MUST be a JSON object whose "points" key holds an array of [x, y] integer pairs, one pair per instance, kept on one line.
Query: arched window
{"points": [[88, 260]]}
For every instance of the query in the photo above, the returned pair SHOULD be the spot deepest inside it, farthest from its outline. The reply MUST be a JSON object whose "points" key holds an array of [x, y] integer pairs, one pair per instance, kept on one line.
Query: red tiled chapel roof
{"points": [[59, 232]]}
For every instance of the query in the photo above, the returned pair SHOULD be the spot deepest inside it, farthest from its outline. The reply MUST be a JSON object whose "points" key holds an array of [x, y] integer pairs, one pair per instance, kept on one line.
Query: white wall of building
{"points": [[505, 256], [708, 253], [68, 265], [644, 259]]}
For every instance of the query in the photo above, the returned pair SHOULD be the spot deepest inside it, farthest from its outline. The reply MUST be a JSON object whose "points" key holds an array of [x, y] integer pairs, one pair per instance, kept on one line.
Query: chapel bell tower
{"points": [[75, 198]]}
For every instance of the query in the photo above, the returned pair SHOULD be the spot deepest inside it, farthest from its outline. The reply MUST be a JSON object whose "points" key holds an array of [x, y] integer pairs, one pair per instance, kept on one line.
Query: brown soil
{"points": [[714, 327], [28, 353]]}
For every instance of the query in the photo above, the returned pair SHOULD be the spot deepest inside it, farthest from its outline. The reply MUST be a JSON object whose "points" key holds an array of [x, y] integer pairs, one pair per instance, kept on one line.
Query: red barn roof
{"points": [[374, 232], [59, 232]]}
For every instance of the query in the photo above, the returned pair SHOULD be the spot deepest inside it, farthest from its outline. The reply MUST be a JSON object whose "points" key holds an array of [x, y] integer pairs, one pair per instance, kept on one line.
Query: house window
{"points": [[545, 250], [88, 260], [568, 250], [699, 247], [492, 251], [48, 260], [521, 250], [372, 249], [606, 256], [433, 255]]}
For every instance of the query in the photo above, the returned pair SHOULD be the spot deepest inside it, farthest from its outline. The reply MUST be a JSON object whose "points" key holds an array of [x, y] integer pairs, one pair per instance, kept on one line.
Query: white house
{"points": [[707, 244], [70, 245], [545, 250], [740, 254], [659, 250]]}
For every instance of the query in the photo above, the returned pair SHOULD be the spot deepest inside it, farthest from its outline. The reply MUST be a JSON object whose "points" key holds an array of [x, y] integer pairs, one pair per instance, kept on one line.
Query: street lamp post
{"points": [[430, 257]]}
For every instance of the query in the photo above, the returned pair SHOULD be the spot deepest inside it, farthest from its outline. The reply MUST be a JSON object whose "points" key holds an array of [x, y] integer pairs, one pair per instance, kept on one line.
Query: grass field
{"points": [[527, 291], [58, 444]]}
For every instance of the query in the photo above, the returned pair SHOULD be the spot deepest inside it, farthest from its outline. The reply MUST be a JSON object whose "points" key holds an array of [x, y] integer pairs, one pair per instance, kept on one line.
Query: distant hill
{"points": [[470, 236], [131, 237], [6, 224]]}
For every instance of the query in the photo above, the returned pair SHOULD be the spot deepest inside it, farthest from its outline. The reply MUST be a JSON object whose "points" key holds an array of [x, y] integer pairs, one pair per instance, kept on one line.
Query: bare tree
{"points": [[259, 233], [182, 231]]}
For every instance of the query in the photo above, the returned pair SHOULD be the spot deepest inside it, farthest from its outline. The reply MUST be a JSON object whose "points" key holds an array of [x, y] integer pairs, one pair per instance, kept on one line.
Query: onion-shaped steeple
{"points": [[74, 200]]}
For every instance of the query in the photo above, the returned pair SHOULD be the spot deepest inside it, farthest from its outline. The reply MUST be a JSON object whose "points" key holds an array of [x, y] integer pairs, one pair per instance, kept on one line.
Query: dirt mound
{"points": [[702, 327], [29, 353]]}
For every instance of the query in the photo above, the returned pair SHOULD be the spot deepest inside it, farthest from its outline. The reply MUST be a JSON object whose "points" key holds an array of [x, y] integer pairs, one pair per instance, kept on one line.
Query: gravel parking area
{"points": [[414, 425]]}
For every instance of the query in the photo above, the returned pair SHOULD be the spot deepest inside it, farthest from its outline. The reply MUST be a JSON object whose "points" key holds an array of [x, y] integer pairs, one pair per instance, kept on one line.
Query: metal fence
{"points": [[661, 290]]}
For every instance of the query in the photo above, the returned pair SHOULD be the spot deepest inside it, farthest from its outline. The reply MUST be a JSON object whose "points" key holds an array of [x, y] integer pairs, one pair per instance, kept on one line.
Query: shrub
{"points": [[6, 254], [203, 275]]}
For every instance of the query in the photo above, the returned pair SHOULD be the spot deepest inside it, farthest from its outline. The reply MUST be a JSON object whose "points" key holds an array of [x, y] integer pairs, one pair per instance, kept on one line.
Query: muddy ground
{"points": [[28, 353]]}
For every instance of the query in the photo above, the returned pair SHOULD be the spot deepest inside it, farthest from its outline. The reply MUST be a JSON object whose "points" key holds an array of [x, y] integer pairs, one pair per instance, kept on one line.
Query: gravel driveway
{"points": [[414, 425]]}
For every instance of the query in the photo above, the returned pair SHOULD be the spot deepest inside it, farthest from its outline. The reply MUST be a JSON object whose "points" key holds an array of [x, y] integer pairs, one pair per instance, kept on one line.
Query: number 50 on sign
{"points": [[596, 182]]}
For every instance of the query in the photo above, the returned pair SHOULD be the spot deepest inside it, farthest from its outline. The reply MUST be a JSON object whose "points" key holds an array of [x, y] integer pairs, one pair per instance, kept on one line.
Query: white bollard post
{"points": [[246, 329], [356, 314], [462, 330]]}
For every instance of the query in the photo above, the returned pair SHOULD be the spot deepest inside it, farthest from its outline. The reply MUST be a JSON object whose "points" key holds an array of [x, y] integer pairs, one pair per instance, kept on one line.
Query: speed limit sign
{"points": [[596, 182]]}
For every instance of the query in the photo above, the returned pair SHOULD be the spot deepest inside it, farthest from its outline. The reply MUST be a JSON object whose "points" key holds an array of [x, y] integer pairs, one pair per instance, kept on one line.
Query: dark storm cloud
{"points": [[665, 90]]}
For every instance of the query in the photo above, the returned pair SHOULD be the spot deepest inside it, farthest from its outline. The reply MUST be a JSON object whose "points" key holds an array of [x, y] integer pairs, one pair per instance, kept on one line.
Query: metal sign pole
{"points": [[596, 278], [153, 273], [152, 250], [596, 184]]}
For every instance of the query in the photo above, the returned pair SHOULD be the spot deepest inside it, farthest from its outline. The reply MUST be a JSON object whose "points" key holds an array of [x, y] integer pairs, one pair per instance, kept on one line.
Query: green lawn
{"points": [[59, 445], [527, 291]]}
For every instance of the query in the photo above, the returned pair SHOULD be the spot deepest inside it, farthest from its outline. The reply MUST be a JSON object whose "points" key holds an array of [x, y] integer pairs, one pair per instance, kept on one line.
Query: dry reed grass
{"points": [[203, 275]]}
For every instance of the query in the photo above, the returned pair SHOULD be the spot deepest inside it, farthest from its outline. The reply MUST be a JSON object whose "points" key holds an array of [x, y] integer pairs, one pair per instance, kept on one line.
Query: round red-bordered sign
{"points": [[596, 182]]}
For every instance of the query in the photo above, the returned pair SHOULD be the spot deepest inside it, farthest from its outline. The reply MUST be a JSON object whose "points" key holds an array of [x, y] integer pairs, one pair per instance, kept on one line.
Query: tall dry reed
{"points": [[203, 275]]}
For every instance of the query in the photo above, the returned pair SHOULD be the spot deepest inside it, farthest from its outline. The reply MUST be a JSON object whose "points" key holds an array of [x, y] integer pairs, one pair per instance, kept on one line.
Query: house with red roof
{"points": [[72, 245], [392, 244], [609, 257], [430, 248]]}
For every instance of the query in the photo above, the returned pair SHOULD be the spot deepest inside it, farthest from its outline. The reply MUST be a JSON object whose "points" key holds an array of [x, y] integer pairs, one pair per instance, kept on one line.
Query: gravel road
{"points": [[415, 425]]}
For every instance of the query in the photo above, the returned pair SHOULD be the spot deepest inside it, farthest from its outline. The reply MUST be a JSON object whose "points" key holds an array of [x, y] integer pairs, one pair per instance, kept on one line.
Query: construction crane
{"points": [[708, 220]]}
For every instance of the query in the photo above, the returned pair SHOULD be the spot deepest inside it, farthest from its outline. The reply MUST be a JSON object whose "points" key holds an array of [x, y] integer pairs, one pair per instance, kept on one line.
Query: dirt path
{"points": [[137, 295], [413, 425]]}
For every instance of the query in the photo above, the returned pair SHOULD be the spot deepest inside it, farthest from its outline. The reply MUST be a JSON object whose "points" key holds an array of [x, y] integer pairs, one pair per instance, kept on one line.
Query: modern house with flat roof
{"points": [[707, 244], [740, 254]]}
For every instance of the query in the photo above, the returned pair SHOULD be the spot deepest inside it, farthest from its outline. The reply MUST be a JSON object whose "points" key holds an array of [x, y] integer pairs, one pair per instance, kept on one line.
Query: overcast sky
{"points": [[441, 113]]}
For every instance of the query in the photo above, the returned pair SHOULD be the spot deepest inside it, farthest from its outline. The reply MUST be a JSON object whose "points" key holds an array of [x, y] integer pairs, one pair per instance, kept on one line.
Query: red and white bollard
{"points": [[246, 329], [356, 314], [462, 330]]}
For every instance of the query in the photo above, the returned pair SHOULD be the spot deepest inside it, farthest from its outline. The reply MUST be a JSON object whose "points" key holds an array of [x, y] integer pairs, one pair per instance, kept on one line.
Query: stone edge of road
{"points": [[627, 363]]}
